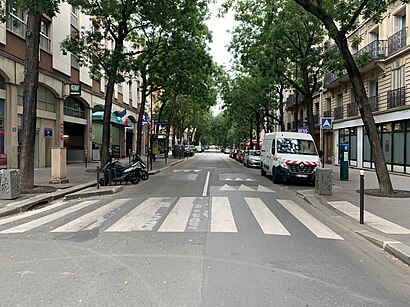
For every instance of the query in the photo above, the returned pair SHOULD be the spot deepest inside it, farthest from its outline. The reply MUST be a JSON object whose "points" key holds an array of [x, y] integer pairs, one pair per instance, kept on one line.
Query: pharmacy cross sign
{"points": [[327, 123]]}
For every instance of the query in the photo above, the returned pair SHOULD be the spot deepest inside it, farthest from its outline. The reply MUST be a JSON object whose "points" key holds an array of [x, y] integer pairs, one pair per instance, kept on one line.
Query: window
{"points": [[273, 149], [130, 91], [74, 62], [45, 41], [373, 88], [120, 88], [387, 142], [74, 107], [74, 16], [45, 100], [339, 100], [17, 22], [353, 144], [398, 78], [296, 146], [367, 151], [398, 143], [408, 142], [328, 103], [399, 21], [374, 35]]}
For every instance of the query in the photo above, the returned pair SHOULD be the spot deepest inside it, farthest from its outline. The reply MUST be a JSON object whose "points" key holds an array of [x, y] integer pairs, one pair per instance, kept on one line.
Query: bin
{"points": [[344, 161], [9, 184], [178, 151]]}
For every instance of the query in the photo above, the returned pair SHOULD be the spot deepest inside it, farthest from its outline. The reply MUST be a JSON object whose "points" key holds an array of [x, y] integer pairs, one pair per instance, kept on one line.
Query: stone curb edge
{"points": [[394, 247]]}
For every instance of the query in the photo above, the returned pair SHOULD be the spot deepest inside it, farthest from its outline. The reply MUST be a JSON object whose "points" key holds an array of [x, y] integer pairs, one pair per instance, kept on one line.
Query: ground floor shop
{"points": [[394, 132]]}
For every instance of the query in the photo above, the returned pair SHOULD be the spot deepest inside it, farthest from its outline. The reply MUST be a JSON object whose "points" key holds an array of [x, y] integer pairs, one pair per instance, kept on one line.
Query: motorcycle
{"points": [[141, 167], [114, 171]]}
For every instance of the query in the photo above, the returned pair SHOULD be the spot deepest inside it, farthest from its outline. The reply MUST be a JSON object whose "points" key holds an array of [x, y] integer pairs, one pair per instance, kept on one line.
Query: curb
{"points": [[394, 247], [89, 192]]}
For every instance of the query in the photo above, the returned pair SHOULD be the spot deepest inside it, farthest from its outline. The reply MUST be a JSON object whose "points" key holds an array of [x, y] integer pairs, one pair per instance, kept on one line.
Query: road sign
{"points": [[303, 129], [327, 123]]}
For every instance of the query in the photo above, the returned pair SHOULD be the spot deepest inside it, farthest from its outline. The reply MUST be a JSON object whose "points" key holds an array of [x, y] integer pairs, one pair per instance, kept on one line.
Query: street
{"points": [[206, 232]]}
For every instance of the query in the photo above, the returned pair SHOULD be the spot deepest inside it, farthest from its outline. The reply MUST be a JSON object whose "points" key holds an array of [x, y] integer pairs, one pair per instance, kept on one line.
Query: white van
{"points": [[289, 156]]}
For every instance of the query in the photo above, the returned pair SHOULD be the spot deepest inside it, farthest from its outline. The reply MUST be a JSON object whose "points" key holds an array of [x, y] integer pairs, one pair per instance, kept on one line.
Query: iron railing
{"points": [[396, 98], [374, 103], [397, 41], [338, 112], [376, 49], [327, 113], [352, 109]]}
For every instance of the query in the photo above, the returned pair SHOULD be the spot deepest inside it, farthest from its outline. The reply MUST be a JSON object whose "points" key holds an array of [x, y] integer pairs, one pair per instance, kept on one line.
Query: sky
{"points": [[221, 37]]}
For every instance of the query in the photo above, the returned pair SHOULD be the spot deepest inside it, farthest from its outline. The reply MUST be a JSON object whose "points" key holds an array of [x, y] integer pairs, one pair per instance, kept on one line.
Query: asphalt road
{"points": [[207, 232]]}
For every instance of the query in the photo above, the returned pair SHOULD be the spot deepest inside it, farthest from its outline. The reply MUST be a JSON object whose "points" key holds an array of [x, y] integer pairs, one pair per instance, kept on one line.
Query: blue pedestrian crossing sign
{"points": [[327, 123]]}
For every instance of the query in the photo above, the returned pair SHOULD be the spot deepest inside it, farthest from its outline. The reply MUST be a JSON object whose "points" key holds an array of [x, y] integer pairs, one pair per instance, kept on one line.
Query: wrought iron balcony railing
{"points": [[397, 41], [374, 103], [316, 119], [352, 109], [338, 112], [396, 98], [327, 113], [376, 50]]}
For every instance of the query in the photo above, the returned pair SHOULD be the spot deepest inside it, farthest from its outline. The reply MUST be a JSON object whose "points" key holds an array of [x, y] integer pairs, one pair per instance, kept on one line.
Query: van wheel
{"points": [[263, 173], [276, 177]]}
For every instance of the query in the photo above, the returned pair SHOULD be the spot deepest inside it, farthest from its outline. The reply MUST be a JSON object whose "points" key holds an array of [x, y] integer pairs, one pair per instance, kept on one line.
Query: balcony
{"points": [[352, 109], [291, 100], [374, 103], [375, 50], [396, 98], [327, 113], [316, 119], [338, 112], [397, 41]]}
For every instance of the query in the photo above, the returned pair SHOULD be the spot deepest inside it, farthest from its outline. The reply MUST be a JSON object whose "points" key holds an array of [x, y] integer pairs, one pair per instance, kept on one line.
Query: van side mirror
{"points": [[320, 154]]}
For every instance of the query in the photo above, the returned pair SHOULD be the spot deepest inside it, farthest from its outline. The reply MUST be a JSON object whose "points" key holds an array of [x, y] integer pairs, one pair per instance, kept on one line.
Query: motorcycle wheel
{"points": [[144, 175], [102, 182], [135, 179]]}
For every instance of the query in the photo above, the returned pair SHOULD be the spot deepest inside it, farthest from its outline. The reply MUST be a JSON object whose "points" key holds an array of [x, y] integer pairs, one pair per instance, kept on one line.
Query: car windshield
{"points": [[255, 153], [296, 146]]}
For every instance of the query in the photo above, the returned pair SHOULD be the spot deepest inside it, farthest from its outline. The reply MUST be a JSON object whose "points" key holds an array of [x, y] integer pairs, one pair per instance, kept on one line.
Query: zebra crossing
{"points": [[166, 215]]}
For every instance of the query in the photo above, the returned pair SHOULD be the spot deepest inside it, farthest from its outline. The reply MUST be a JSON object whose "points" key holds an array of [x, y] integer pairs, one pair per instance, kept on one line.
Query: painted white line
{"points": [[92, 219], [205, 191], [144, 217], [48, 218], [266, 219], [264, 189], [320, 230], [369, 219], [177, 219], [245, 188], [29, 213], [221, 217], [227, 187]]}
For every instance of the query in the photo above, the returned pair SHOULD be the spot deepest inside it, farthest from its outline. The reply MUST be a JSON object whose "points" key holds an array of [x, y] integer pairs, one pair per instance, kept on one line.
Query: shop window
{"points": [[398, 143], [353, 144], [1, 126], [2, 83], [367, 151], [408, 143], [387, 142], [46, 100], [74, 107]]}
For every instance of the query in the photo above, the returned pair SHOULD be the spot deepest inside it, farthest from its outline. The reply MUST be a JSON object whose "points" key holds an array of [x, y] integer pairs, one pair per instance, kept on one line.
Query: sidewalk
{"points": [[375, 228], [80, 177]]}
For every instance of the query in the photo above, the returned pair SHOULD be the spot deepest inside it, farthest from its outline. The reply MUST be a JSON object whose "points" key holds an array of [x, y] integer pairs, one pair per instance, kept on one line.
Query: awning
{"points": [[99, 116]]}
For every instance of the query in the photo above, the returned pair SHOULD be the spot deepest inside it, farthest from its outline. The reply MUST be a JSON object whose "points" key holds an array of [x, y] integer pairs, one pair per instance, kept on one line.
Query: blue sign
{"points": [[48, 132], [144, 118], [327, 123], [303, 130]]}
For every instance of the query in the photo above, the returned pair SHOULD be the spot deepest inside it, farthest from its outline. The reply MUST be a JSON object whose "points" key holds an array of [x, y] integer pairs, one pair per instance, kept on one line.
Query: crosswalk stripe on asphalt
{"points": [[222, 219], [177, 219]]}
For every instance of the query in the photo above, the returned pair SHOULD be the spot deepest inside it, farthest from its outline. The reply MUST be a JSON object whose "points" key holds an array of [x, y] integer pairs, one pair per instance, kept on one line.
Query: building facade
{"points": [[68, 100], [383, 56]]}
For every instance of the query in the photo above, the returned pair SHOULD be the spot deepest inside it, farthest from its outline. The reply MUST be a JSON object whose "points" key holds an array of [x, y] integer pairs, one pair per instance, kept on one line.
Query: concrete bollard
{"points": [[323, 181]]}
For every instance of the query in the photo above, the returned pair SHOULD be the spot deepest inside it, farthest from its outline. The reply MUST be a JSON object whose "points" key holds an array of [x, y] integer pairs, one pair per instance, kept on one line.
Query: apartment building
{"points": [[383, 56], [69, 103]]}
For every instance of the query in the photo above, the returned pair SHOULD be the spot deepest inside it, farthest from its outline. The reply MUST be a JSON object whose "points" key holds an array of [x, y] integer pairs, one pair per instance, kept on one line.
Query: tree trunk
{"points": [[141, 112], [361, 99], [30, 101], [106, 135], [281, 116]]}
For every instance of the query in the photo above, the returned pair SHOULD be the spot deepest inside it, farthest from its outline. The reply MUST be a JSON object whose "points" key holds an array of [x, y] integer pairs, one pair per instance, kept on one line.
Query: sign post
{"points": [[326, 123]]}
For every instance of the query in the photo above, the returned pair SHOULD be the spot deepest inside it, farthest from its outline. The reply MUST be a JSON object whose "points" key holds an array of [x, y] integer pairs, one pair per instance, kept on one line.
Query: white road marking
{"points": [[48, 218], [227, 187], [92, 219], [266, 219], [177, 219], [143, 217], [264, 189], [369, 219], [221, 216], [204, 192], [29, 213], [320, 230], [245, 188]]}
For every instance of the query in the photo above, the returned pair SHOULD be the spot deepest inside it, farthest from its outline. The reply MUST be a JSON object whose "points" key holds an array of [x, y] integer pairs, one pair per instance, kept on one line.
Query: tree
{"points": [[34, 10], [340, 18]]}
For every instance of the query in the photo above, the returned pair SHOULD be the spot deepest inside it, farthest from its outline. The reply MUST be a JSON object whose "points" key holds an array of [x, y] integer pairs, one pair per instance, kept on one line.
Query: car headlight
{"points": [[283, 164]]}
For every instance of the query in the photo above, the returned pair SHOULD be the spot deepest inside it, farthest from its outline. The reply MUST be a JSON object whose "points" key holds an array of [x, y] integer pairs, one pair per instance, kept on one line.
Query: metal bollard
{"points": [[98, 177], [361, 197]]}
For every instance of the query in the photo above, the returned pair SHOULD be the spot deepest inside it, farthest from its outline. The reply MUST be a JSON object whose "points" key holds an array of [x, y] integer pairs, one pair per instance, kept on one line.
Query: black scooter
{"points": [[141, 167], [114, 171]]}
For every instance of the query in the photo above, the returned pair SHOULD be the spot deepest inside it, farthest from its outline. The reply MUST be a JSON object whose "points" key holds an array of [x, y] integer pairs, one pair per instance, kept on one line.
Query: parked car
{"points": [[226, 150], [239, 156], [252, 158], [199, 149], [188, 152], [233, 153]]}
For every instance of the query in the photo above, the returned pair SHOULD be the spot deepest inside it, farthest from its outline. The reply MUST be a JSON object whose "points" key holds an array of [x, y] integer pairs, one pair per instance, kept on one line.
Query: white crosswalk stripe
{"points": [[320, 230], [144, 217], [370, 219], [48, 218], [266, 219], [169, 215]]}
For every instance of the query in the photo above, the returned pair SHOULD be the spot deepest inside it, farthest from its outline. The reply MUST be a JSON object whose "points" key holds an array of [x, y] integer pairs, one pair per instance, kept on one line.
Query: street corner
{"points": [[93, 191]]}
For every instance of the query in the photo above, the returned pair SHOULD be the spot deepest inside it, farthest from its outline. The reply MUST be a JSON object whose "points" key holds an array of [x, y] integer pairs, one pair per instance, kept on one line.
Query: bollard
{"points": [[361, 197], [98, 177], [86, 157]]}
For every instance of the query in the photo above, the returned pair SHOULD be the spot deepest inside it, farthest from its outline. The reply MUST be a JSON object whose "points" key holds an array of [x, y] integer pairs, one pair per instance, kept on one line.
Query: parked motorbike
{"points": [[141, 167], [114, 171]]}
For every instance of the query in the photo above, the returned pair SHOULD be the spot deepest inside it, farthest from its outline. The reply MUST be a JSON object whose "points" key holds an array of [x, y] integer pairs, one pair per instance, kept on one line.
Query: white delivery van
{"points": [[289, 156]]}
